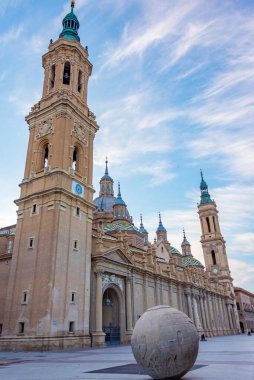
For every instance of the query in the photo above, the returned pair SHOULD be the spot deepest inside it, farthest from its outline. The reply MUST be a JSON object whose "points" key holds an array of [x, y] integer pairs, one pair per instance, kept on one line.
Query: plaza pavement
{"points": [[220, 358]]}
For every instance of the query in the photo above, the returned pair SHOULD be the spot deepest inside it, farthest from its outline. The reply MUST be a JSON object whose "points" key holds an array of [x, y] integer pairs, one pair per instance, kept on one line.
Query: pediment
{"points": [[118, 255]]}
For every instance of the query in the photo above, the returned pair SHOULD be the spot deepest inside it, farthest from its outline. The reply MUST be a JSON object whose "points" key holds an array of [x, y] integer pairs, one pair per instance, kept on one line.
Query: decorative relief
{"points": [[45, 127], [108, 279], [79, 133]]}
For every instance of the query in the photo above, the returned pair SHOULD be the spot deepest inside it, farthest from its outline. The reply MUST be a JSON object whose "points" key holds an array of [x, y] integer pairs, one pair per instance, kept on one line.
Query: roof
{"points": [[191, 262], [123, 226]]}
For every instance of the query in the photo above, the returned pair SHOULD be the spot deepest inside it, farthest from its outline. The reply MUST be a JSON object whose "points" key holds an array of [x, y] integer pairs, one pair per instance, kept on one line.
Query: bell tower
{"points": [[213, 243], [49, 288]]}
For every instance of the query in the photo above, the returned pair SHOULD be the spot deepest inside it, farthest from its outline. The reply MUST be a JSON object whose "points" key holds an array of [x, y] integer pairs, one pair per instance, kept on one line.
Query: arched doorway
{"points": [[111, 316]]}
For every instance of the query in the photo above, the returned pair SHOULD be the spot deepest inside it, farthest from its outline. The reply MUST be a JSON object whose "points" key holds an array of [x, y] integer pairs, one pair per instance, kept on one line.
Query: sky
{"points": [[172, 89]]}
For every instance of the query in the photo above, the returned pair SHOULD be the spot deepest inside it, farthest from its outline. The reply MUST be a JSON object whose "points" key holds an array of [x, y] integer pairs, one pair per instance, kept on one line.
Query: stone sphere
{"points": [[165, 343]]}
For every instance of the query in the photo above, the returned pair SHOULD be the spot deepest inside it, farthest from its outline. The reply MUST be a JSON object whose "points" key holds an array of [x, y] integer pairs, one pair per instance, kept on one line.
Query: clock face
{"points": [[78, 189], [215, 270]]}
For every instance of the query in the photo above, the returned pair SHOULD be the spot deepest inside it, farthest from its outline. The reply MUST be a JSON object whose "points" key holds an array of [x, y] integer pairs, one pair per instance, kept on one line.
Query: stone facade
{"points": [[245, 308], [76, 271]]}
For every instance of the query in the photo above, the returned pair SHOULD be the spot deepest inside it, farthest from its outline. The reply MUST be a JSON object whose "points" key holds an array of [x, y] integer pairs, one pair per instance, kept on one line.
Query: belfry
{"points": [[76, 271]]}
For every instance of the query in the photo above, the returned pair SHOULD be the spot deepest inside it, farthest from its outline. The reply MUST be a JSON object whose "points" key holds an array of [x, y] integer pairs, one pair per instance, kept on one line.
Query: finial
{"points": [[184, 234], [141, 220], [160, 218], [201, 173], [106, 169], [72, 4], [119, 190]]}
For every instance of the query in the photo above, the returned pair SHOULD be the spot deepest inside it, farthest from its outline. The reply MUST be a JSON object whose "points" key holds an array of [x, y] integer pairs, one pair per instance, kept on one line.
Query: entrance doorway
{"points": [[111, 316]]}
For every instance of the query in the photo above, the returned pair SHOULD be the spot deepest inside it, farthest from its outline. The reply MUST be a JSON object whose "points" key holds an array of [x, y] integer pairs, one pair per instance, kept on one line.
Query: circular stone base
{"points": [[165, 343]]}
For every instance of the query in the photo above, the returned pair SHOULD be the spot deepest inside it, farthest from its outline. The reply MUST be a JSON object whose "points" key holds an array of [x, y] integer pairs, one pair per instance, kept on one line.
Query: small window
{"points": [[208, 224], [25, 297], [75, 245], [78, 211], [238, 306], [31, 243], [73, 297], [21, 327], [1, 328], [52, 76], [213, 257], [34, 209], [161, 249], [71, 327], [67, 73], [79, 81]]}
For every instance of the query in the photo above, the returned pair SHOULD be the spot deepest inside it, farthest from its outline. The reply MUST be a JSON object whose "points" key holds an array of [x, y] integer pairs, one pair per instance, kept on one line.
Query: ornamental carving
{"points": [[79, 133], [108, 279], [45, 127]]}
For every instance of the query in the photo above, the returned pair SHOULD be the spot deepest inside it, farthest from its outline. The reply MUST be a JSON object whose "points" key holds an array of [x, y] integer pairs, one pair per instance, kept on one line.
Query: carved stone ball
{"points": [[165, 343]]}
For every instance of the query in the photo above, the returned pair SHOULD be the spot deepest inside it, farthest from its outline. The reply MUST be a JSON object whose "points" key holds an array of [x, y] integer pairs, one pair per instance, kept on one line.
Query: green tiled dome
{"points": [[70, 26]]}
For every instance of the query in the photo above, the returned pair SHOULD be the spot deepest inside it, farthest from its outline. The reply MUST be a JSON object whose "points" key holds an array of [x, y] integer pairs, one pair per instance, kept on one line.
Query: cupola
{"points": [[186, 247], [70, 25], [161, 231], [205, 196]]}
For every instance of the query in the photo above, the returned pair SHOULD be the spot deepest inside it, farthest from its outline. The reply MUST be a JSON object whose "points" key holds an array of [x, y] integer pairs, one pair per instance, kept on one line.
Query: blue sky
{"points": [[172, 89]]}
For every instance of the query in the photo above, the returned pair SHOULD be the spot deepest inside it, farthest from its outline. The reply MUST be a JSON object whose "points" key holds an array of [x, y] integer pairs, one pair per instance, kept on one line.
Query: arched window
{"points": [[67, 73], [79, 81], [75, 159], [214, 224], [45, 155], [52, 76], [208, 224], [213, 257]]}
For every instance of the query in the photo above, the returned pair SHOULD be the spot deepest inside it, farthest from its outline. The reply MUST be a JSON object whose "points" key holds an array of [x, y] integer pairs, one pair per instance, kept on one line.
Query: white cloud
{"points": [[158, 171], [10, 35]]}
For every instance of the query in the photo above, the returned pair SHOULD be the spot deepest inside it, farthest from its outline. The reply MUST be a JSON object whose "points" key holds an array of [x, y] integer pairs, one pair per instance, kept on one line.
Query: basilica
{"points": [[75, 271]]}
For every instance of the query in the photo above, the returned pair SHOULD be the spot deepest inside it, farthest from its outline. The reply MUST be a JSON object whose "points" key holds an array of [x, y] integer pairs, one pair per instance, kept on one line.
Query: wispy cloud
{"points": [[10, 35]]}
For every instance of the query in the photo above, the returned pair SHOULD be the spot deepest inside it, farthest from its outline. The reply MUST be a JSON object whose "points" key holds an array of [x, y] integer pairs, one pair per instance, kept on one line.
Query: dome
{"points": [[191, 262], [143, 230], [70, 26], [105, 203]]}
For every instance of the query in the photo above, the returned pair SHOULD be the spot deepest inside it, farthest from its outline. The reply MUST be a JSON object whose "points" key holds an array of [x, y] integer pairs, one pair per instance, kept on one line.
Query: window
{"points": [[75, 158], [21, 327], [71, 327], [238, 306], [46, 156], [77, 211], [213, 257], [1, 328], [25, 297], [31, 243], [208, 224], [214, 224], [34, 209], [75, 245], [73, 297], [79, 81], [9, 247], [52, 76], [67, 73]]}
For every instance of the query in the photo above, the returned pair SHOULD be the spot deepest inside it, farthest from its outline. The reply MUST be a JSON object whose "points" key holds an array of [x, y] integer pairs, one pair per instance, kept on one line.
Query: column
{"points": [[207, 314], [98, 336], [230, 316], [145, 292], [211, 316], [157, 290], [129, 305], [203, 313], [170, 294], [98, 321], [195, 314], [189, 305]]}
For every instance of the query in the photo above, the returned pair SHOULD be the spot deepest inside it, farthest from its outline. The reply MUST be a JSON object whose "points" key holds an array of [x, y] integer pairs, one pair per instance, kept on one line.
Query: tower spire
{"points": [[70, 25], [205, 196], [106, 168]]}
